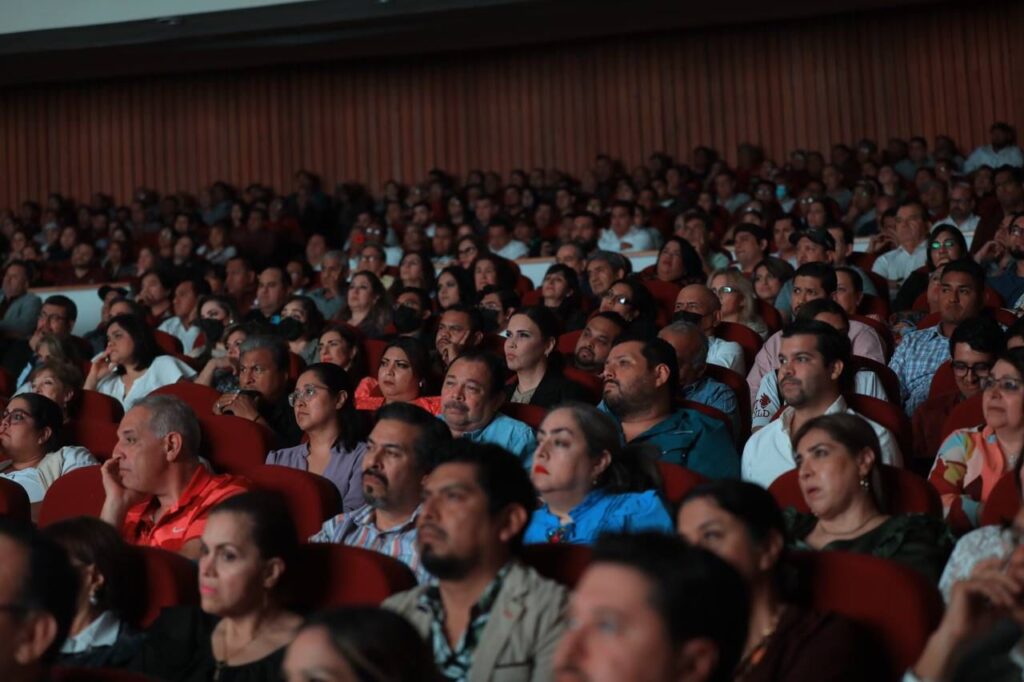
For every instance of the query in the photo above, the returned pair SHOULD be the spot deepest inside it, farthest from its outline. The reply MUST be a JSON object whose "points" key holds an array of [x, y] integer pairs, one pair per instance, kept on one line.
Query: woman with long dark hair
{"points": [[530, 352]]}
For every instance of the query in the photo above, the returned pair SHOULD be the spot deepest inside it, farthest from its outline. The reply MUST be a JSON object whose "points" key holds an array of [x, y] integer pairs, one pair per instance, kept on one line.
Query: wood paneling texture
{"points": [[798, 84]]}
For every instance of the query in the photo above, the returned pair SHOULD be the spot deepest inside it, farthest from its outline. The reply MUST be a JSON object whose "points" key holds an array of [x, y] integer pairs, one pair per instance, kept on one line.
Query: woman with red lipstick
{"points": [[530, 353], [333, 446], [837, 458], [242, 627], [588, 482], [970, 461], [403, 377]]}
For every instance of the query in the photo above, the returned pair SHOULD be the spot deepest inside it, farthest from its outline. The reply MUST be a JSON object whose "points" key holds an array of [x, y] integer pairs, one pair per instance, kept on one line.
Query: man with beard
{"points": [[459, 329], [812, 358], [640, 382], [487, 612], [1010, 282], [585, 231], [596, 340], [473, 390], [400, 453]]}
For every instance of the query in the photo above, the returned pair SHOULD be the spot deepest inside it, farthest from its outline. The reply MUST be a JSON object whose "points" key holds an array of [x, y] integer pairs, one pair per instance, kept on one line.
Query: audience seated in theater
{"points": [[909, 245], [588, 482], [133, 365], [58, 349], [97, 338], [32, 448], [678, 263], [264, 385], [459, 330], [367, 306], [530, 353], [273, 286], [699, 300], [404, 375], [221, 370], [786, 642], [695, 226], [496, 307], [300, 326], [472, 392], [769, 276], [783, 228], [330, 295], [240, 283], [769, 399], [19, 309], [631, 299], [561, 294], [738, 303], [812, 282], [487, 612], [56, 317], [1005, 262], [455, 286], [158, 493], [340, 345], [622, 234], [185, 306], [691, 347], [216, 314], [750, 247], [843, 237], [815, 245], [39, 588], [640, 385], [850, 291], [156, 288], [242, 625], [945, 244], [1001, 151], [651, 607], [838, 462], [359, 643], [400, 452], [413, 314], [605, 268], [971, 461], [333, 432], [921, 352], [596, 340], [974, 346], [489, 269], [813, 372], [100, 636]]}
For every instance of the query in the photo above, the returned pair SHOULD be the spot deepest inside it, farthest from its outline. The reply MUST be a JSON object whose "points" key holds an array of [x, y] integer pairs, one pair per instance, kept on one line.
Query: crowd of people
{"points": [[796, 316]]}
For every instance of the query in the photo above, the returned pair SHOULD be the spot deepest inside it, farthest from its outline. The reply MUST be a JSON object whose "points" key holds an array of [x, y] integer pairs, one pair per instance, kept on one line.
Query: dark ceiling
{"points": [[346, 29]]}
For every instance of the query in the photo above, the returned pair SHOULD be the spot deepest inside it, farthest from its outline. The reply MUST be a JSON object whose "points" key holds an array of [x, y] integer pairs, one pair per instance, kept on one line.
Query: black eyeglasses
{"points": [[1006, 385], [980, 369], [948, 244]]}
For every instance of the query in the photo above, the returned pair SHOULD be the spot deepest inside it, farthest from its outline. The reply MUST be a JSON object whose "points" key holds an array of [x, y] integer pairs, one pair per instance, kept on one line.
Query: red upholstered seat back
{"points": [[563, 563], [329, 576], [906, 492], [14, 502], [677, 481], [76, 493], [1003, 502], [311, 499]]}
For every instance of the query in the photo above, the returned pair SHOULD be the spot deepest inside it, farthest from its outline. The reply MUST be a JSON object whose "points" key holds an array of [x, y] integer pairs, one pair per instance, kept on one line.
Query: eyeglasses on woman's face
{"points": [[304, 394], [612, 297], [14, 417], [1005, 384]]}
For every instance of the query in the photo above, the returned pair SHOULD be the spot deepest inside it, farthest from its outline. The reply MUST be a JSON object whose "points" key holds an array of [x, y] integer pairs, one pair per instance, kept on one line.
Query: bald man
{"points": [[698, 300]]}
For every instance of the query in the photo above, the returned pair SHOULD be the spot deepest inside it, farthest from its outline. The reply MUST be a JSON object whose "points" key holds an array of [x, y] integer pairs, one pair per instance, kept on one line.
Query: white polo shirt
{"points": [[728, 354], [899, 263], [637, 238]]}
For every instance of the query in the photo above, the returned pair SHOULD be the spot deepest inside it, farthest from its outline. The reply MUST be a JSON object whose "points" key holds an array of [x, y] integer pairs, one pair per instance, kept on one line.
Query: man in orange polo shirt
{"points": [[158, 493]]}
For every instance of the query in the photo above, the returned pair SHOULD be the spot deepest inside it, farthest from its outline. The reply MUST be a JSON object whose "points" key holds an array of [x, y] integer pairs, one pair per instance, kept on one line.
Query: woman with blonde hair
{"points": [[739, 303]]}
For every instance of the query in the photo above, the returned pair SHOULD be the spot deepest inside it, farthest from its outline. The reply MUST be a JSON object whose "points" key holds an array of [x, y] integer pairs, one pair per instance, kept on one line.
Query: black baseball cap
{"points": [[819, 237]]}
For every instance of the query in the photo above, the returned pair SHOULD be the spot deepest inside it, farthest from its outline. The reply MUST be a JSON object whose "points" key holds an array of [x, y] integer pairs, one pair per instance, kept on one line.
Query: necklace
{"points": [[754, 657], [850, 532], [220, 663]]}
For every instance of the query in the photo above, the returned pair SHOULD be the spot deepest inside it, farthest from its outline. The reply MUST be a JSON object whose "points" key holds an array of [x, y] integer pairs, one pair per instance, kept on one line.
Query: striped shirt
{"points": [[358, 528]]}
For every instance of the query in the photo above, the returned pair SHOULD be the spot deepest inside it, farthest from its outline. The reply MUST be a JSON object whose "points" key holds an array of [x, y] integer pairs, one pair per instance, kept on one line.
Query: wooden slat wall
{"points": [[800, 84]]}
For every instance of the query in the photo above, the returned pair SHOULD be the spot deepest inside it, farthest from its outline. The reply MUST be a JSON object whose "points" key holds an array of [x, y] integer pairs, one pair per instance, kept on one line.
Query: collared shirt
{"points": [[37, 480], [514, 249], [1009, 284], [344, 469], [967, 467], [769, 401], [863, 338], [454, 664], [187, 335], [359, 529], [637, 238], [164, 370], [328, 307], [101, 632], [985, 155], [784, 301], [899, 263], [728, 354], [769, 452], [713, 393], [187, 518], [916, 358], [600, 512], [692, 440], [509, 433], [967, 227]]}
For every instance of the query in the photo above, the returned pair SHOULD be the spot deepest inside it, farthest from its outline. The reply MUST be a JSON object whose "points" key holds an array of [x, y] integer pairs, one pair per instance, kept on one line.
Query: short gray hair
{"points": [[336, 255], [616, 260], [278, 349], [687, 327], [168, 414]]}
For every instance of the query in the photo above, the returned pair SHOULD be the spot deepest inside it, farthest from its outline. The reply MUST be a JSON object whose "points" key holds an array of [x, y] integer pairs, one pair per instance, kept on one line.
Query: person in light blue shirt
{"points": [[472, 393], [588, 482]]}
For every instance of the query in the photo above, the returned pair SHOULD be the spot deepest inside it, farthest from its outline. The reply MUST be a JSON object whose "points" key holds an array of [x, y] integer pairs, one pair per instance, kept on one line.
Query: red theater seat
{"points": [[168, 342], [593, 383], [889, 415], [906, 492], [677, 481], [883, 331], [235, 445], [567, 342], [14, 502], [943, 380], [76, 493], [890, 382], [965, 415], [311, 499], [709, 411], [1003, 502], [329, 576], [531, 415], [169, 579], [738, 383], [93, 406], [748, 339], [770, 314], [200, 398], [374, 349], [98, 437], [563, 563]]}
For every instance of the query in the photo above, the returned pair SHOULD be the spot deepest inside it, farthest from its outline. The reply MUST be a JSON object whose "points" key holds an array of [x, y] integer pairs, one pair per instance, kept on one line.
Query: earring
{"points": [[864, 484], [93, 599]]}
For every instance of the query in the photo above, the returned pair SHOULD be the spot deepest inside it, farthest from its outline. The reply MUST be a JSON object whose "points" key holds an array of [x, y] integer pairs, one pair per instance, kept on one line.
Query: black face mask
{"points": [[688, 316], [406, 319], [212, 330], [290, 328], [489, 318]]}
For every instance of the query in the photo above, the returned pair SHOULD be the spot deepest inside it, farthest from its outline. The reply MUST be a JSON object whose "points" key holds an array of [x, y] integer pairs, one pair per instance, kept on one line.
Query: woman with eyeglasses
{"points": [[945, 244], [837, 459], [971, 461], [367, 305], [30, 444], [467, 249], [630, 298], [402, 377], [334, 447], [133, 365], [736, 294], [589, 483]]}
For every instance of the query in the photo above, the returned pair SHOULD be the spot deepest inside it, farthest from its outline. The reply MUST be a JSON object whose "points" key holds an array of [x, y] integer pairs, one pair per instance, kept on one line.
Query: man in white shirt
{"points": [[961, 211], [500, 242], [812, 358], [726, 194], [699, 300], [622, 235], [185, 305], [1002, 151], [911, 250]]}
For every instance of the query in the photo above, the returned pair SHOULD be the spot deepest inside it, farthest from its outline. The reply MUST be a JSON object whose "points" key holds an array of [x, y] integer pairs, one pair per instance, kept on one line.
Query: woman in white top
{"points": [[30, 432], [133, 365]]}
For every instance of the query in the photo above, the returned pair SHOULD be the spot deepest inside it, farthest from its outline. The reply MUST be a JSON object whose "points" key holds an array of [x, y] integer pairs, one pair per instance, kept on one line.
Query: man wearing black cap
{"points": [[812, 246], [750, 244]]}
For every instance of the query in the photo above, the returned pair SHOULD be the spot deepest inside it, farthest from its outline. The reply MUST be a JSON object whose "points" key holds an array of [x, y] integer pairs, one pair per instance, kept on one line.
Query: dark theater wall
{"points": [[943, 69]]}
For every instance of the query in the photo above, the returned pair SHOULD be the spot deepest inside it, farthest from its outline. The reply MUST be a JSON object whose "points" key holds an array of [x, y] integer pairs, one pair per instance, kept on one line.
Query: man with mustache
{"points": [[640, 382], [472, 393], [488, 616], [459, 329], [400, 452], [812, 358], [596, 339]]}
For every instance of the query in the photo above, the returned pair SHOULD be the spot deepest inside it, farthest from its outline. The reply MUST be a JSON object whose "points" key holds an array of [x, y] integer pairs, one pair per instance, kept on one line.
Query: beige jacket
{"points": [[518, 642]]}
